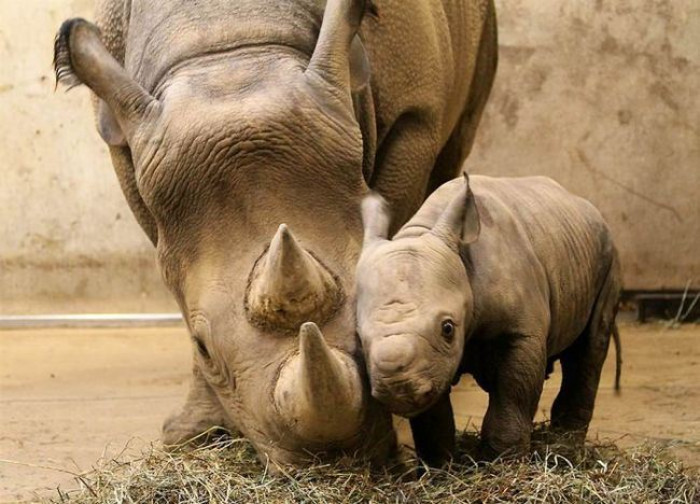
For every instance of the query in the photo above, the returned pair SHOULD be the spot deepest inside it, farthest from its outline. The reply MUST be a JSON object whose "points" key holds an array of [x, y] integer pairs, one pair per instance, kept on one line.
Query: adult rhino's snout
{"points": [[319, 392], [288, 286]]}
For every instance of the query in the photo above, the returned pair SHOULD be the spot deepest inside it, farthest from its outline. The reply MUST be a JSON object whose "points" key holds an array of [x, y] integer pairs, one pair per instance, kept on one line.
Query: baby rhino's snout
{"points": [[393, 355], [395, 379]]}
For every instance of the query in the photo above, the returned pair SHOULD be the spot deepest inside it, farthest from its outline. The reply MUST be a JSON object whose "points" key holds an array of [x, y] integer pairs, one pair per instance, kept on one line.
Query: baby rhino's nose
{"points": [[393, 354]]}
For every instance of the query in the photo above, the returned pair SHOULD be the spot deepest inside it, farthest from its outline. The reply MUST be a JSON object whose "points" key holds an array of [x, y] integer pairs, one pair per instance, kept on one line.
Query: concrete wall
{"points": [[68, 242], [604, 97], [601, 95]]}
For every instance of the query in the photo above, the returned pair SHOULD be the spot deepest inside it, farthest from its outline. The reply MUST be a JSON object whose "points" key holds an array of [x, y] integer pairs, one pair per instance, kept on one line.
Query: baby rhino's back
{"points": [[541, 257], [568, 237]]}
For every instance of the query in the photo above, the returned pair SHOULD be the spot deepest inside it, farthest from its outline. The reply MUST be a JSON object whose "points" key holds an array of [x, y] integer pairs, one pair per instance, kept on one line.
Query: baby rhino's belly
{"points": [[570, 315]]}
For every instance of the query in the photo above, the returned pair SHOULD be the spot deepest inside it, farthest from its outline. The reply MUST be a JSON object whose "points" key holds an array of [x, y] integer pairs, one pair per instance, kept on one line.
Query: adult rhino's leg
{"points": [[513, 396], [582, 364], [449, 162], [434, 433], [202, 412]]}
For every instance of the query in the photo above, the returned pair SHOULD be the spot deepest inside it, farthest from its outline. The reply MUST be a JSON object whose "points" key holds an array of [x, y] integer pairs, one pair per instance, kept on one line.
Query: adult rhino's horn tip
{"points": [[309, 328], [312, 345]]}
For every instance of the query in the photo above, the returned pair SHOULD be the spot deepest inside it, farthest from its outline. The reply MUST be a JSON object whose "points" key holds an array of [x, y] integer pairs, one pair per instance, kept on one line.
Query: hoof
{"points": [[487, 452], [179, 432]]}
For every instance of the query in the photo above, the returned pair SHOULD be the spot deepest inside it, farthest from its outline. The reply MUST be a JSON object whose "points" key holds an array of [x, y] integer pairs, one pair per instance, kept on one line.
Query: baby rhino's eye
{"points": [[448, 329]]}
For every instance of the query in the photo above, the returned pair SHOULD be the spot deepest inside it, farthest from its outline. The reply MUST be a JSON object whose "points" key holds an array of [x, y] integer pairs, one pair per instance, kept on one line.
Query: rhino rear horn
{"points": [[80, 57], [319, 392]]}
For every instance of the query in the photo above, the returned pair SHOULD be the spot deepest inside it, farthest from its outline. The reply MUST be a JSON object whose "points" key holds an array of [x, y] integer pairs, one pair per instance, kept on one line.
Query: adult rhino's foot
{"points": [[199, 421], [188, 429]]}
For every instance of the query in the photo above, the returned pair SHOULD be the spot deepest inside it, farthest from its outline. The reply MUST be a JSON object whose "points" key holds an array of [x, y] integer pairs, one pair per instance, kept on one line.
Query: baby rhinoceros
{"points": [[498, 278]]}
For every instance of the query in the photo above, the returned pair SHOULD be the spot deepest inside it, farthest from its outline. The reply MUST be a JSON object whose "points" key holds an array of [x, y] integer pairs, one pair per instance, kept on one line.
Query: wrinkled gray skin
{"points": [[498, 278], [226, 119]]}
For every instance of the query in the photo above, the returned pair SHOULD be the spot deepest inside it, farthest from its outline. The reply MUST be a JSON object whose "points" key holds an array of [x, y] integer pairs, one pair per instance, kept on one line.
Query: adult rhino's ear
{"points": [[339, 58], [80, 57], [459, 223], [376, 219], [108, 127], [359, 66]]}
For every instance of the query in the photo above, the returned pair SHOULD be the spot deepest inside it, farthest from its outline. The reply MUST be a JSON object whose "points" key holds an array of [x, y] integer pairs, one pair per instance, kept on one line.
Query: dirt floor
{"points": [[69, 397]]}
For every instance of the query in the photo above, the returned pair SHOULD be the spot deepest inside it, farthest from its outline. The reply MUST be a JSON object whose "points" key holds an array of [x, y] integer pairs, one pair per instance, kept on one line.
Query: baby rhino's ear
{"points": [[459, 223], [472, 225], [376, 219]]}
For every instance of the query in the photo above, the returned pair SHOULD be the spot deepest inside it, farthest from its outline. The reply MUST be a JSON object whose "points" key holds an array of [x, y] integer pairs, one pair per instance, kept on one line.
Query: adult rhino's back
{"points": [[439, 68]]}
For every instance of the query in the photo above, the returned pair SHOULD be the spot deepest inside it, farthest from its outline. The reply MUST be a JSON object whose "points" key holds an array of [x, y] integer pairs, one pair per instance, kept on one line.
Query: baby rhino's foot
{"points": [[488, 451]]}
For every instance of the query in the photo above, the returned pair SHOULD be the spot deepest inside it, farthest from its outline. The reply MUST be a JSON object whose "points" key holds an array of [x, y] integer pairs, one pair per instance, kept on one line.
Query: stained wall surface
{"points": [[68, 241], [603, 96], [600, 95]]}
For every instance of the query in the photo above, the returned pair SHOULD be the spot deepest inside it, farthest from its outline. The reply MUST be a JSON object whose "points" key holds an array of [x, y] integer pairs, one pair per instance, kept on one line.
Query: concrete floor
{"points": [[70, 397]]}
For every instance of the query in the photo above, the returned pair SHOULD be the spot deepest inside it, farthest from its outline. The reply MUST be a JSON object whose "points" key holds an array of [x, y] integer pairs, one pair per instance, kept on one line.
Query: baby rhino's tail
{"points": [[613, 289], [602, 323], [618, 357]]}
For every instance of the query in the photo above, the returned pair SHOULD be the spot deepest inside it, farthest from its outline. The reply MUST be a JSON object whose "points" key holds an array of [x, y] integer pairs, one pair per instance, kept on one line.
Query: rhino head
{"points": [[414, 300], [229, 154]]}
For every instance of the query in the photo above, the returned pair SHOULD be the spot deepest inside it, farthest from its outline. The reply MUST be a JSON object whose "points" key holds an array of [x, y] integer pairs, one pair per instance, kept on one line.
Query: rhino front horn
{"points": [[319, 392], [288, 285]]}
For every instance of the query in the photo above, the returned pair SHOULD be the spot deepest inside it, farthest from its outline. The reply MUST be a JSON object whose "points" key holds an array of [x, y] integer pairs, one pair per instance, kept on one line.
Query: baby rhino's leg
{"points": [[434, 433], [513, 396], [581, 366]]}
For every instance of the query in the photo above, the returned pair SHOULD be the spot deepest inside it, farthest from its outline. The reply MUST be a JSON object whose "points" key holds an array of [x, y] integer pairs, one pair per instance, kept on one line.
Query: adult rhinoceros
{"points": [[227, 118]]}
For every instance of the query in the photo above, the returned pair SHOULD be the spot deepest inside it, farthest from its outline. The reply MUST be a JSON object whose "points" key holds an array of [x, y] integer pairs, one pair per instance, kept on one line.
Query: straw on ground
{"points": [[227, 470]]}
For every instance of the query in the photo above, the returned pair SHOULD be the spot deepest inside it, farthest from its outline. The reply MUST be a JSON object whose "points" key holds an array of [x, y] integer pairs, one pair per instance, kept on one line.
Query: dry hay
{"points": [[227, 470]]}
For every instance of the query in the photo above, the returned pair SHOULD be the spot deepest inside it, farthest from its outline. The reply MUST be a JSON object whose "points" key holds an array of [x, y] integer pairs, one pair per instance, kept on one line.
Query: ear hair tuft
{"points": [[63, 65]]}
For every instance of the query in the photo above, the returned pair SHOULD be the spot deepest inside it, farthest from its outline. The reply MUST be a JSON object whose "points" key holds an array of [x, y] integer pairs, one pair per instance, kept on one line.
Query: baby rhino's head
{"points": [[414, 303]]}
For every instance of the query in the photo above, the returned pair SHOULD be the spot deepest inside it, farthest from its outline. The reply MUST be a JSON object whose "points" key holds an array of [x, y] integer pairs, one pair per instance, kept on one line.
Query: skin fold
{"points": [[244, 136], [498, 278]]}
